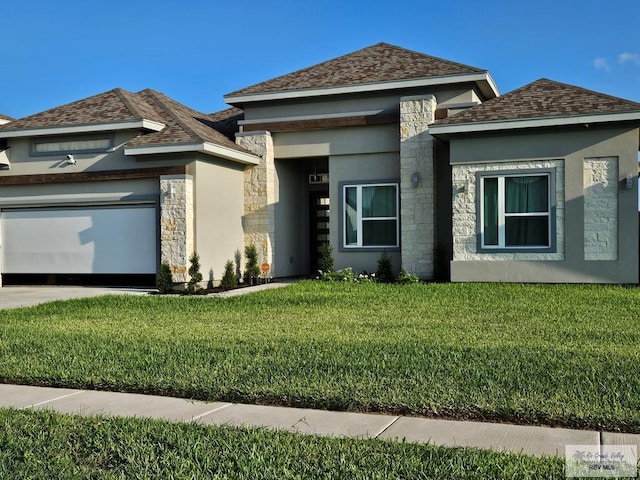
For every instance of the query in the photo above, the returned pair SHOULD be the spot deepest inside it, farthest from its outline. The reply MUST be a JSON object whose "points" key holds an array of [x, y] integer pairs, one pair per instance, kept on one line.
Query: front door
{"points": [[319, 228]]}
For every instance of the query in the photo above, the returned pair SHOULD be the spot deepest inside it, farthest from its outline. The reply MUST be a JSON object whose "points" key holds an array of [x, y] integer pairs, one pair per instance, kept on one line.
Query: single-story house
{"points": [[380, 150]]}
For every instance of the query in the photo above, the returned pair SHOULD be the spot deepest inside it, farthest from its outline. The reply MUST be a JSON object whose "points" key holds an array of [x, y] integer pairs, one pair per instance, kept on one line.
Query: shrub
{"points": [[229, 279], [406, 277], [384, 273], [165, 278], [193, 286], [345, 275], [237, 257], [325, 262], [252, 270]]}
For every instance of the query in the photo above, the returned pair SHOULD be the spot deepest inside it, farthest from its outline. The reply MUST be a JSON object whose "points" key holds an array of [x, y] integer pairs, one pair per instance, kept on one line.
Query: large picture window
{"points": [[370, 215], [516, 211]]}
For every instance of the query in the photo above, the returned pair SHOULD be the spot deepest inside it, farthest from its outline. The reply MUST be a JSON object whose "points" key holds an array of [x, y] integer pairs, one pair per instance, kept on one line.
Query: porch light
{"points": [[415, 180]]}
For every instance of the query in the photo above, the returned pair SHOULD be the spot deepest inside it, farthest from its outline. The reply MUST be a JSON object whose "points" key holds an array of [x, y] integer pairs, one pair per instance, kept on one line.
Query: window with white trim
{"points": [[370, 215], [516, 211]]}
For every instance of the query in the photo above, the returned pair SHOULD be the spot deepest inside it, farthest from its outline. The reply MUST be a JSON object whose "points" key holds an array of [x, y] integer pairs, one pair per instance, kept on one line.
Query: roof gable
{"points": [[378, 63], [183, 125], [114, 106], [543, 98]]}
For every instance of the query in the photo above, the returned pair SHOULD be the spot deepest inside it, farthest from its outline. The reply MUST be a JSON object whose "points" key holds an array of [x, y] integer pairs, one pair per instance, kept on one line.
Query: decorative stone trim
{"points": [[260, 195], [465, 242], [176, 223], [601, 208], [417, 184]]}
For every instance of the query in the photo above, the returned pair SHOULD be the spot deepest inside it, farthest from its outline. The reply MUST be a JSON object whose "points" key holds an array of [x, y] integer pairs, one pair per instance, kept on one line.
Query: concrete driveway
{"points": [[11, 297]]}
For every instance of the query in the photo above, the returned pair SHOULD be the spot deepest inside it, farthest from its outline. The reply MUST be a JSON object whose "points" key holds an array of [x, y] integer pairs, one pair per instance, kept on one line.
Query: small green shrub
{"points": [[229, 279], [252, 270], [345, 275], [325, 262], [384, 273], [193, 286], [237, 257], [165, 278], [406, 278]]}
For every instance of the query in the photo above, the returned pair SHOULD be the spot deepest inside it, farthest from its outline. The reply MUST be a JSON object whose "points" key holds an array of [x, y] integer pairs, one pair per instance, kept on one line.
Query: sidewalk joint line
{"points": [[387, 427], [55, 399], [197, 417]]}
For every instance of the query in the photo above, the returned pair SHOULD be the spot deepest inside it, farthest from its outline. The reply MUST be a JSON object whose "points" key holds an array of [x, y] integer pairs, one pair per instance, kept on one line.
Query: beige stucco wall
{"points": [[385, 101], [291, 219], [23, 163], [337, 141], [571, 146], [218, 213], [359, 168]]}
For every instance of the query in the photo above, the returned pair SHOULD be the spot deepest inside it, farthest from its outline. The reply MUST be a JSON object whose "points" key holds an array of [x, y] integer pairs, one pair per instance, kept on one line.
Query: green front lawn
{"points": [[46, 445], [555, 354]]}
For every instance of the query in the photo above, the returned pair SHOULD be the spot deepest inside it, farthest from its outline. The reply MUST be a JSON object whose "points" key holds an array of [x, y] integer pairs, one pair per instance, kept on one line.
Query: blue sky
{"points": [[195, 51]]}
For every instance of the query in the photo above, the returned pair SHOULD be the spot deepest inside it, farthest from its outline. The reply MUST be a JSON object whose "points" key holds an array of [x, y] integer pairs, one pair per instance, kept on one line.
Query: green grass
{"points": [[554, 354], [46, 445]]}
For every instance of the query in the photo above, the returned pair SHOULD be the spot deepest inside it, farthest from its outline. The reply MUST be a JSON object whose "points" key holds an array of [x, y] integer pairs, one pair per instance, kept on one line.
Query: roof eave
{"points": [[483, 79], [206, 148], [143, 124], [476, 127]]}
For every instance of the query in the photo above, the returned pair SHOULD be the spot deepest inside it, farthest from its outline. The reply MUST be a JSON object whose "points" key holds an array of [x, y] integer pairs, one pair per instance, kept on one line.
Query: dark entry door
{"points": [[319, 228]]}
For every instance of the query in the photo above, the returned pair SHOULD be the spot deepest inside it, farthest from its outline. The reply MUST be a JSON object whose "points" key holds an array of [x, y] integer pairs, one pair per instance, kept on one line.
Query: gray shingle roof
{"points": [[378, 63], [543, 98]]}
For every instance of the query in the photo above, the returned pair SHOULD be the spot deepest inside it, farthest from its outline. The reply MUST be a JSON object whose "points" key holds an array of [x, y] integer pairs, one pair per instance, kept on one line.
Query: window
{"points": [[516, 211], [370, 215], [71, 145]]}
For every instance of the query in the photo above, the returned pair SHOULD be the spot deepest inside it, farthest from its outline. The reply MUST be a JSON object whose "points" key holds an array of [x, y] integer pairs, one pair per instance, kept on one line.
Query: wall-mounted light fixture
{"points": [[169, 191], [628, 182], [415, 180], [460, 187]]}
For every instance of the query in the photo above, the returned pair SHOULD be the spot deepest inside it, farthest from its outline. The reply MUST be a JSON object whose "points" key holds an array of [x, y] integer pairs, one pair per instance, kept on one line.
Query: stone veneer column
{"points": [[601, 208], [176, 223], [259, 195], [417, 203]]}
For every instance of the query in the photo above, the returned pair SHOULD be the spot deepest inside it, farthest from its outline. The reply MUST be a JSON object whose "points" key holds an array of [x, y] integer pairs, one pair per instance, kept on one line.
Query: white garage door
{"points": [[100, 240]]}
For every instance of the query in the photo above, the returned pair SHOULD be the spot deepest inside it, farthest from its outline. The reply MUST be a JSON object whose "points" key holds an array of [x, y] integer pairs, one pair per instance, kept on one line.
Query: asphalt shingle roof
{"points": [[378, 63], [226, 121], [183, 125], [542, 99], [6, 117], [116, 105]]}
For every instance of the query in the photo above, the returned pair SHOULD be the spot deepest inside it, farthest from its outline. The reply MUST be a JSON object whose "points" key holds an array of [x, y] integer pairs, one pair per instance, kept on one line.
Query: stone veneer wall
{"points": [[176, 223], [259, 195], [601, 208], [417, 204], [465, 245]]}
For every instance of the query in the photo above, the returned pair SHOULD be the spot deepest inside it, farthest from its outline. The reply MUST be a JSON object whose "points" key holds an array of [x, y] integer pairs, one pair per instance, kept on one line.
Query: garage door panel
{"points": [[100, 240]]}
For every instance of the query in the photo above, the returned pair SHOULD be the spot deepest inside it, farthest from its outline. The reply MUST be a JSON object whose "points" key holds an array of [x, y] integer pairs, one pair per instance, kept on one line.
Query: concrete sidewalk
{"points": [[539, 441]]}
